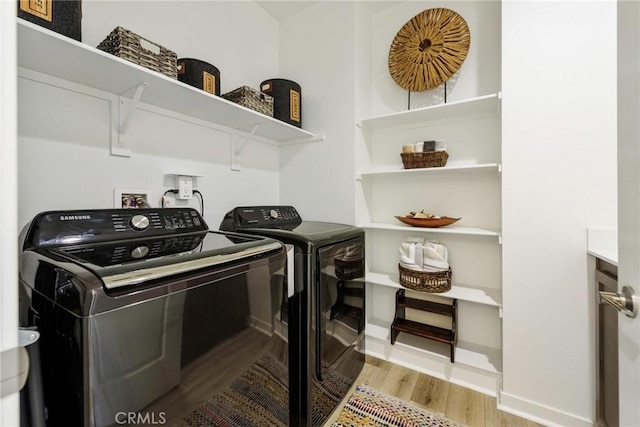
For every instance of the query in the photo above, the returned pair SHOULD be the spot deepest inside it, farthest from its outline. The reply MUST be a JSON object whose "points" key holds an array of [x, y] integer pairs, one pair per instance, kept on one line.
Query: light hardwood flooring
{"points": [[457, 403]]}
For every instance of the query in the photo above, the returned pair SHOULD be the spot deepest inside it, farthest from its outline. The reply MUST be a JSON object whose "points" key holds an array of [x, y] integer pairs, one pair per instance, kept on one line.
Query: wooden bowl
{"points": [[427, 222]]}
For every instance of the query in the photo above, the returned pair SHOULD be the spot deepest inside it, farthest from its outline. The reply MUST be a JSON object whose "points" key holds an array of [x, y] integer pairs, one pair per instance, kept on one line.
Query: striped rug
{"points": [[260, 397], [370, 407]]}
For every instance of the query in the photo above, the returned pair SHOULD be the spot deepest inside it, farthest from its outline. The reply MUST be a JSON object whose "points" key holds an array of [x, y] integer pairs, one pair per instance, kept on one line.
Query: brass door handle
{"points": [[625, 302]]}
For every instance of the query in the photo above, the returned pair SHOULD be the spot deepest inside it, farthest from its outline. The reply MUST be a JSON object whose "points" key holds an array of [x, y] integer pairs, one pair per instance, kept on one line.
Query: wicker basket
{"points": [[130, 46], [348, 270], [252, 99], [427, 159], [433, 282]]}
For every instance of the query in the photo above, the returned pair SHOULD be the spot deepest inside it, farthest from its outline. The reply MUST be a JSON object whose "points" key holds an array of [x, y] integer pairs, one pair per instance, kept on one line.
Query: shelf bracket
{"points": [[237, 146], [314, 138], [125, 110]]}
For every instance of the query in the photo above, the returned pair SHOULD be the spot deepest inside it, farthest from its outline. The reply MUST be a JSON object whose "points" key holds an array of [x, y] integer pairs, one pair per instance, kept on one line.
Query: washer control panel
{"points": [[89, 226], [261, 217]]}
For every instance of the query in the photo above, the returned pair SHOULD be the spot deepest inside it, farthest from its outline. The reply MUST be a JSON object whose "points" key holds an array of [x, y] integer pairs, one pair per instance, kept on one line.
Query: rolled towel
{"points": [[411, 266], [408, 253], [435, 257], [419, 258]]}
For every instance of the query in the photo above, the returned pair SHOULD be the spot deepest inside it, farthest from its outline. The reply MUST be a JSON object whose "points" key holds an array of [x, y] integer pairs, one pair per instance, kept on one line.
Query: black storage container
{"points": [[61, 16], [287, 100], [200, 74]]}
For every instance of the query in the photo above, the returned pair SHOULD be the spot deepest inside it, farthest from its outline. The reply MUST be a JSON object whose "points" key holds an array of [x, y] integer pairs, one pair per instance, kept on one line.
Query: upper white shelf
{"points": [[450, 110], [50, 53]]}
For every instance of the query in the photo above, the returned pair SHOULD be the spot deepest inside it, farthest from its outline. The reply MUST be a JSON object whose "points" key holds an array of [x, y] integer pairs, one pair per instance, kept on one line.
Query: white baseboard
{"points": [[538, 413], [434, 365]]}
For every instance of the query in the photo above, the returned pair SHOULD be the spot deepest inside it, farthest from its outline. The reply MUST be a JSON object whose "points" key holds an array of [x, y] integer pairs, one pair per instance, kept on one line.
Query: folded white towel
{"points": [[419, 259], [420, 255], [411, 266], [408, 253], [435, 257]]}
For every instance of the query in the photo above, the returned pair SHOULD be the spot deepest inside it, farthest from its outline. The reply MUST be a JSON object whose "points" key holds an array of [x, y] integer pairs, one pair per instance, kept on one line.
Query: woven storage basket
{"points": [[427, 159], [252, 99], [128, 45], [434, 282], [347, 270]]}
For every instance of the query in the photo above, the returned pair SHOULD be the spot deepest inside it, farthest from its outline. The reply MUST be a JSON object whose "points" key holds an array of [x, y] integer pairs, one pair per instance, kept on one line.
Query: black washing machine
{"points": [[148, 318], [326, 316]]}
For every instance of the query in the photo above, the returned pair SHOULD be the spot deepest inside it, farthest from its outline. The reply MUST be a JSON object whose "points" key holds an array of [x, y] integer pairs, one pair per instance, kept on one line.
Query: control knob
{"points": [[273, 214], [139, 222], [139, 251]]}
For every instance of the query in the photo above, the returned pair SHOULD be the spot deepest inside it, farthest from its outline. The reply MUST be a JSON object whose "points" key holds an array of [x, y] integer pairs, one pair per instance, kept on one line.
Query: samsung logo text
{"points": [[74, 217]]}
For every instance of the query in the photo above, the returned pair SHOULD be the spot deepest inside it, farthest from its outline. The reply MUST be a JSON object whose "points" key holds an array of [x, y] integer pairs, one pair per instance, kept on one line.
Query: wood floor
{"points": [[454, 402]]}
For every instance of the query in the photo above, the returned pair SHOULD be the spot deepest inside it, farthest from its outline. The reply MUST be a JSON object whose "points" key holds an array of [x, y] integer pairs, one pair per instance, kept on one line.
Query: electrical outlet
{"points": [[185, 187]]}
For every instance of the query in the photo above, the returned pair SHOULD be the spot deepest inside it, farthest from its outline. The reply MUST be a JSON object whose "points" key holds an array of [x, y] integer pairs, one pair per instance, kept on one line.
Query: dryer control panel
{"points": [[57, 228], [261, 217]]}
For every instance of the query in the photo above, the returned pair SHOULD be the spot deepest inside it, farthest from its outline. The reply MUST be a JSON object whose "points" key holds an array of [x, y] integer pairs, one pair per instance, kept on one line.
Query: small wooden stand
{"points": [[401, 324]]}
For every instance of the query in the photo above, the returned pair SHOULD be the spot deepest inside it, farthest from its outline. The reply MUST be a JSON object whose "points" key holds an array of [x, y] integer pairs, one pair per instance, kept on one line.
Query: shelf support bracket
{"points": [[314, 138], [237, 146], [125, 110]]}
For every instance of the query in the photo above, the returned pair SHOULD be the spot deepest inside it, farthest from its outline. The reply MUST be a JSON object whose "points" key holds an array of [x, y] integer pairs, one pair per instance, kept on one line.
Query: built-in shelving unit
{"points": [[469, 186], [55, 55]]}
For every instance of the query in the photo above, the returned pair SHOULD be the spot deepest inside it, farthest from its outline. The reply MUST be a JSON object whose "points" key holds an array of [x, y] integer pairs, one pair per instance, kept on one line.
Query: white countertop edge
{"points": [[608, 256], [603, 244]]}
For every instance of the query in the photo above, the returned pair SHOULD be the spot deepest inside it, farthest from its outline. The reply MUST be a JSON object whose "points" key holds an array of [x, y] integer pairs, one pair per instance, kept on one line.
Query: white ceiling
{"points": [[282, 9]]}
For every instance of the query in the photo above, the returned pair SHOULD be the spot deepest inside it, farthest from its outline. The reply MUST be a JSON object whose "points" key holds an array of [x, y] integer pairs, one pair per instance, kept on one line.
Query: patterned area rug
{"points": [[260, 397], [370, 407]]}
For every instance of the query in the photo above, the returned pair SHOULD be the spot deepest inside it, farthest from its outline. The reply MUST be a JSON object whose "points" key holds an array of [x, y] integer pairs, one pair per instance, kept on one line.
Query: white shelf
{"points": [[470, 354], [476, 294], [485, 167], [50, 53], [441, 230], [452, 110]]}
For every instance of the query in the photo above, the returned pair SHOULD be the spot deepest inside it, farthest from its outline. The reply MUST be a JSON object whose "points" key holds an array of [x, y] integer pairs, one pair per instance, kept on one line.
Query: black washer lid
{"points": [[310, 234]]}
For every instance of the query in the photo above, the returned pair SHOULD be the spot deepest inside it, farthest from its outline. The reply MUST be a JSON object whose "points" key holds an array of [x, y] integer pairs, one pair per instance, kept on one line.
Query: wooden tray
{"points": [[427, 222]]}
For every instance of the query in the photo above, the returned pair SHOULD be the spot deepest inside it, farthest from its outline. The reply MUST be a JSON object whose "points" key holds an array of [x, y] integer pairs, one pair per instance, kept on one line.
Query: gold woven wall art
{"points": [[429, 49]]}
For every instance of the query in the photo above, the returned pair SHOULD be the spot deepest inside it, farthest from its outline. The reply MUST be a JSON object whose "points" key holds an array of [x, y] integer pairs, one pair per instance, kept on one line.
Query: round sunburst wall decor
{"points": [[429, 49]]}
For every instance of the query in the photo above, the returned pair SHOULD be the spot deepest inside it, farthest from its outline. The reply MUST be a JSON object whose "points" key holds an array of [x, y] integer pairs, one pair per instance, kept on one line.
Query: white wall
{"points": [[9, 406], [559, 177], [317, 50], [68, 166]]}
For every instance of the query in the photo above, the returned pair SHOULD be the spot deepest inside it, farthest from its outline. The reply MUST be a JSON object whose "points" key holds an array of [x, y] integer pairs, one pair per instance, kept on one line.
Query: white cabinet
{"points": [[469, 186]]}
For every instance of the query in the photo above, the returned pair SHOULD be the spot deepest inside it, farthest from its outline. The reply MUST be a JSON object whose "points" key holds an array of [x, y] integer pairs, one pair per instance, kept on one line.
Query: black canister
{"points": [[61, 16], [200, 74], [287, 100]]}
